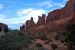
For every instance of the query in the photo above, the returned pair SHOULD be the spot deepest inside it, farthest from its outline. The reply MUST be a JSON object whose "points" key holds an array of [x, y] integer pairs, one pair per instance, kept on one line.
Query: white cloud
{"points": [[45, 3], [2, 16], [1, 6], [65, 0], [60, 4], [27, 13], [48, 3], [23, 15]]}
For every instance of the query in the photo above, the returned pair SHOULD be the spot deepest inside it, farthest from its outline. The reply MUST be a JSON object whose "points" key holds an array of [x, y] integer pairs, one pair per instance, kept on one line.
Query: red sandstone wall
{"points": [[55, 19]]}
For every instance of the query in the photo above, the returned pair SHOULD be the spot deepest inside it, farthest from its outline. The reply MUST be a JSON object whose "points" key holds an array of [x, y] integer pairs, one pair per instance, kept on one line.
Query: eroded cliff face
{"points": [[65, 12], [56, 19]]}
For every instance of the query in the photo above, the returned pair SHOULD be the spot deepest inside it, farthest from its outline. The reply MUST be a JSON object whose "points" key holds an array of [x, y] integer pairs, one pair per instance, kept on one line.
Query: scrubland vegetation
{"points": [[16, 40]]}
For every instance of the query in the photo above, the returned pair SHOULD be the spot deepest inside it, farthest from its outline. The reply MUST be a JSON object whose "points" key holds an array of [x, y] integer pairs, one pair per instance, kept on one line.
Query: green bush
{"points": [[60, 36], [41, 48], [54, 46], [41, 36], [14, 41]]}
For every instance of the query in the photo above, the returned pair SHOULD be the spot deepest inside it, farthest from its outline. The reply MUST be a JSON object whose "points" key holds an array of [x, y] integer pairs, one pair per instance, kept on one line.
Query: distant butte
{"points": [[55, 20]]}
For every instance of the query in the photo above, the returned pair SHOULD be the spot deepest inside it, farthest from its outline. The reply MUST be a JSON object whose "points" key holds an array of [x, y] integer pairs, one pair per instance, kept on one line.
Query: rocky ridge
{"points": [[55, 20]]}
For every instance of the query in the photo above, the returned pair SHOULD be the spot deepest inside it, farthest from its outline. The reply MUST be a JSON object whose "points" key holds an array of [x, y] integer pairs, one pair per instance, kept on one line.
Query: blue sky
{"points": [[14, 13]]}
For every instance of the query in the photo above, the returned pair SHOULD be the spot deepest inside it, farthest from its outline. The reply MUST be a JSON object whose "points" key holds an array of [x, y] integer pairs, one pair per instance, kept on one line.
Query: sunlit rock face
{"points": [[64, 15], [3, 27], [65, 12], [56, 19], [54, 15], [41, 20]]}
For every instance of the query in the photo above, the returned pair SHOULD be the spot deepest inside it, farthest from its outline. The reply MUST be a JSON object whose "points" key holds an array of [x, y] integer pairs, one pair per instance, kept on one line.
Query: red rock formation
{"points": [[41, 20], [30, 24], [52, 16], [22, 27], [72, 7], [67, 11], [3, 27], [56, 19]]}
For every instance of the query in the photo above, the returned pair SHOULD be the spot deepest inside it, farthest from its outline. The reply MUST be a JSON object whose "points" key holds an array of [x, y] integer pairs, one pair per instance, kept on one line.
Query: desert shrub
{"points": [[37, 35], [40, 48], [60, 36], [38, 45], [71, 36], [54, 46], [41, 36], [14, 41]]}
